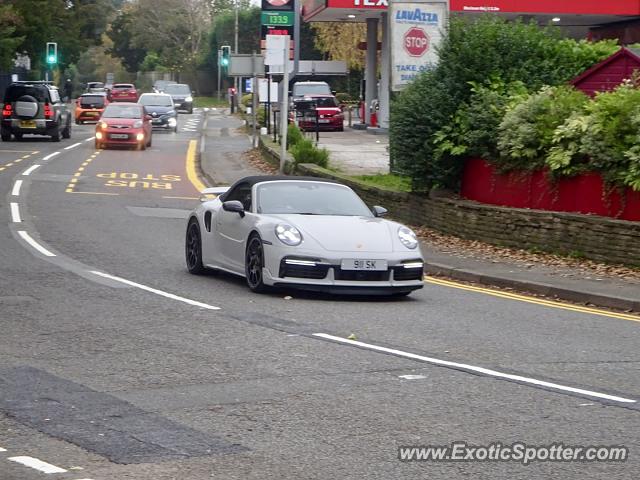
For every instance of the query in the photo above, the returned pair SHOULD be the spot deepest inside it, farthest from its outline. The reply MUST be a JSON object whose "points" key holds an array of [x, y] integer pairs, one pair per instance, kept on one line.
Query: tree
{"points": [[9, 42], [340, 41], [121, 34]]}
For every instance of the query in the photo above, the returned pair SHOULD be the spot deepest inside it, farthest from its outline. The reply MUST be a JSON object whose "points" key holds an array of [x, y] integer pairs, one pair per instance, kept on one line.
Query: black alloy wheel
{"points": [[254, 262], [193, 248]]}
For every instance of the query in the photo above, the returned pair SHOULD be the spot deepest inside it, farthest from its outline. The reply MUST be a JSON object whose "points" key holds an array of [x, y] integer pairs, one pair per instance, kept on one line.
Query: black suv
{"points": [[34, 108]]}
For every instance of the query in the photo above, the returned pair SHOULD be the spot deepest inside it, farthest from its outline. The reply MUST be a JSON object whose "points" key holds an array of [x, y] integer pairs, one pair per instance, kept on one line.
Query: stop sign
{"points": [[416, 41]]}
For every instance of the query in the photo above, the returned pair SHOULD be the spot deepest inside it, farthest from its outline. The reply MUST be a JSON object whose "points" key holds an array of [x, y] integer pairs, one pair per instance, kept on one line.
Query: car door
{"points": [[232, 229]]}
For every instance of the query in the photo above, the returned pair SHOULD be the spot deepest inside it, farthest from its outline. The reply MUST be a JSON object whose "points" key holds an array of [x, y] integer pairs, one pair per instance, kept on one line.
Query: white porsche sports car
{"points": [[303, 233]]}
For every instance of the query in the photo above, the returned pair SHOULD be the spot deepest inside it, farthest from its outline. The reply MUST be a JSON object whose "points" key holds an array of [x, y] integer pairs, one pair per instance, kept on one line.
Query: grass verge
{"points": [[388, 181]]}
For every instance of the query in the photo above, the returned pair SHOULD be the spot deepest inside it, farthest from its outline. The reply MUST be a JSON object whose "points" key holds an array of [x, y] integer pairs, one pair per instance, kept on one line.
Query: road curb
{"points": [[540, 288], [204, 176]]}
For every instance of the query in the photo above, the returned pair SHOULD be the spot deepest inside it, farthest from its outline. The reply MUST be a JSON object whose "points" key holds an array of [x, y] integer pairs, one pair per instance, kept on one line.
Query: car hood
{"points": [[342, 233], [151, 109]]}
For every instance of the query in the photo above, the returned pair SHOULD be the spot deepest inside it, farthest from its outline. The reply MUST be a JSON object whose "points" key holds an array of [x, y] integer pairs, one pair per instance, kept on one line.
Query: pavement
{"points": [[358, 152]]}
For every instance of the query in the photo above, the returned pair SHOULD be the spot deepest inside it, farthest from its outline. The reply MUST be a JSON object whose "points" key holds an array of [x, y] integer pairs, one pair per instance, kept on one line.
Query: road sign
{"points": [[416, 41]]}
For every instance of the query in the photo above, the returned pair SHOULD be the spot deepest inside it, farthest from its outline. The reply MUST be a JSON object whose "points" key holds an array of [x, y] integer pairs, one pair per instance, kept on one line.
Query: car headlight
{"points": [[407, 237], [288, 234], [104, 125], [172, 122], [188, 99], [137, 124]]}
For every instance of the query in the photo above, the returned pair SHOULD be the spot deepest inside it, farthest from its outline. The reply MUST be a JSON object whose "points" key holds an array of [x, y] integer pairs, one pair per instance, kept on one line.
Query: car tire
{"points": [[56, 136], [99, 146], [17, 136], [190, 110], [143, 146], [193, 248], [254, 263], [149, 142], [66, 133], [6, 137], [78, 122]]}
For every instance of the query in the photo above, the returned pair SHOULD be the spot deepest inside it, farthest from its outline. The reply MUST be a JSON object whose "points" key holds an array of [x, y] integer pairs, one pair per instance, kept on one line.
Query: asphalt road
{"points": [[105, 374]]}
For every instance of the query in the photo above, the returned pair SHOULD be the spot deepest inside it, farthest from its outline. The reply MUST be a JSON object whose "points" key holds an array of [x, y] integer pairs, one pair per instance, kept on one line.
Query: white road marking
{"points": [[156, 291], [89, 139], [73, 146], [16, 188], [51, 155], [27, 238], [475, 369], [30, 169], [15, 212], [412, 377], [37, 464], [3, 449]]}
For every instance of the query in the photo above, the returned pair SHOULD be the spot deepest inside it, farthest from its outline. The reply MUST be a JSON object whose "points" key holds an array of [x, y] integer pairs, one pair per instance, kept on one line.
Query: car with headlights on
{"points": [[123, 124], [89, 107], [303, 233], [162, 110], [182, 96]]}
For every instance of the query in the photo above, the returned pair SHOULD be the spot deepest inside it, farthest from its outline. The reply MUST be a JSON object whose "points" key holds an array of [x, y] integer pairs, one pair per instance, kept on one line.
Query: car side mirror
{"points": [[233, 206], [379, 211]]}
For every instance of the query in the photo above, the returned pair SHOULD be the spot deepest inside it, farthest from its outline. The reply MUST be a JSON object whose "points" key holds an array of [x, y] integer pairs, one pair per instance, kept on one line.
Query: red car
{"points": [[330, 116], [123, 92], [124, 124]]}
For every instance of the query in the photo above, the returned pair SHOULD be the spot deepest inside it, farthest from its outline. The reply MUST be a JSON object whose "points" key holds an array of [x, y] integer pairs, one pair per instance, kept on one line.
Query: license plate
{"points": [[351, 264], [118, 136], [322, 120], [28, 124], [91, 114], [156, 121]]}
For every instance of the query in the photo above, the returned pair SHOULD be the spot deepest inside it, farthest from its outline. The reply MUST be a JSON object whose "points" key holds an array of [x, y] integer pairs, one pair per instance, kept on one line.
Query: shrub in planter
{"points": [[294, 135], [306, 152], [526, 132]]}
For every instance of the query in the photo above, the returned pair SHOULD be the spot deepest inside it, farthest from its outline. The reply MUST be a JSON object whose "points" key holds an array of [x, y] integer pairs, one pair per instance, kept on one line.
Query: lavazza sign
{"points": [[416, 29]]}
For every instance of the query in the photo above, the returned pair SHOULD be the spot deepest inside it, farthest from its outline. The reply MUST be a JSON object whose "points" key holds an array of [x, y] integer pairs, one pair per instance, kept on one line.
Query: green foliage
{"points": [[432, 115], [9, 21], [473, 131], [305, 151], [389, 181], [527, 129], [294, 135], [343, 97], [246, 100]]}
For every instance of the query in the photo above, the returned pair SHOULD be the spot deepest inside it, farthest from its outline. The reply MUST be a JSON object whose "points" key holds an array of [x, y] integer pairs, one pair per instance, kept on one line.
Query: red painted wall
{"points": [[580, 194], [587, 7]]}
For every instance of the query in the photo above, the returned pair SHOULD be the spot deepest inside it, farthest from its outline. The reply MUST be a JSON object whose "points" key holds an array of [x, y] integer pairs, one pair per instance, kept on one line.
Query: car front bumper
{"points": [[328, 276], [130, 140]]}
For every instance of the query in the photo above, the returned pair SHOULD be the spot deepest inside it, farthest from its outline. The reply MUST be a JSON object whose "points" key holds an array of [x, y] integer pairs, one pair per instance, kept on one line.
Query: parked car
{"points": [[123, 92], [305, 89], [124, 124], [330, 116], [34, 108], [182, 96], [303, 233], [160, 85], [89, 107], [160, 107]]}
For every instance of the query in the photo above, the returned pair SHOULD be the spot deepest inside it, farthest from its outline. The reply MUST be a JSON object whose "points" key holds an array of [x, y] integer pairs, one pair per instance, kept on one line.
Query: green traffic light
{"points": [[225, 62], [51, 59]]}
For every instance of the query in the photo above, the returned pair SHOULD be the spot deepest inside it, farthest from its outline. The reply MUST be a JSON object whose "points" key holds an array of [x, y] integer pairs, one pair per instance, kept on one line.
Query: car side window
{"points": [[55, 97], [241, 192]]}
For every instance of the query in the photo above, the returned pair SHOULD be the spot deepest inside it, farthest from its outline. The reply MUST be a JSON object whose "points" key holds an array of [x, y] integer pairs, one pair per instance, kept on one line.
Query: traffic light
{"points": [[226, 53], [52, 53]]}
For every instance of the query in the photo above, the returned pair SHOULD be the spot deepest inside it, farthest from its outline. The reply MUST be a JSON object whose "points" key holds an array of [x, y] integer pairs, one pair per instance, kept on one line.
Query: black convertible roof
{"points": [[272, 178]]}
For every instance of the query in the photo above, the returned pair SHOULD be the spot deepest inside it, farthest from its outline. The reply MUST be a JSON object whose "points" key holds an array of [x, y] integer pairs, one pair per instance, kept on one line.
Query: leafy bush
{"points": [[527, 129], [343, 97], [473, 131], [306, 152], [472, 54], [246, 100], [294, 135]]}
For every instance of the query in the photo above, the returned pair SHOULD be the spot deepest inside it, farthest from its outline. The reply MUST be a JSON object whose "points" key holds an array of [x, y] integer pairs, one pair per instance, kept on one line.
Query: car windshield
{"points": [[310, 198], [177, 89], [92, 101], [122, 111], [155, 100], [326, 102], [311, 89]]}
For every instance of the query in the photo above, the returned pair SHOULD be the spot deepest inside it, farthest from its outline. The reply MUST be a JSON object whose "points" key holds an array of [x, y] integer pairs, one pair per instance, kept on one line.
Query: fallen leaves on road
{"points": [[566, 266], [254, 158]]}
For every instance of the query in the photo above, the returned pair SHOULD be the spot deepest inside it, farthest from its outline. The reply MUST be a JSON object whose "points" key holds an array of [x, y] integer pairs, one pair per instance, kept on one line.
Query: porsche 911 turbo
{"points": [[302, 233]]}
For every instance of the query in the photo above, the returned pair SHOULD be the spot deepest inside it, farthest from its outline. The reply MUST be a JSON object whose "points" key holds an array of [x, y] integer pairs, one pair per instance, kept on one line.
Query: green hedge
{"points": [[478, 59]]}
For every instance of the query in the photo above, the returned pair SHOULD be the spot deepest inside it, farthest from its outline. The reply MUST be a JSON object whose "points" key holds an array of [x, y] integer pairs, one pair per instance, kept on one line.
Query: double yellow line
{"points": [[192, 174], [536, 301]]}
